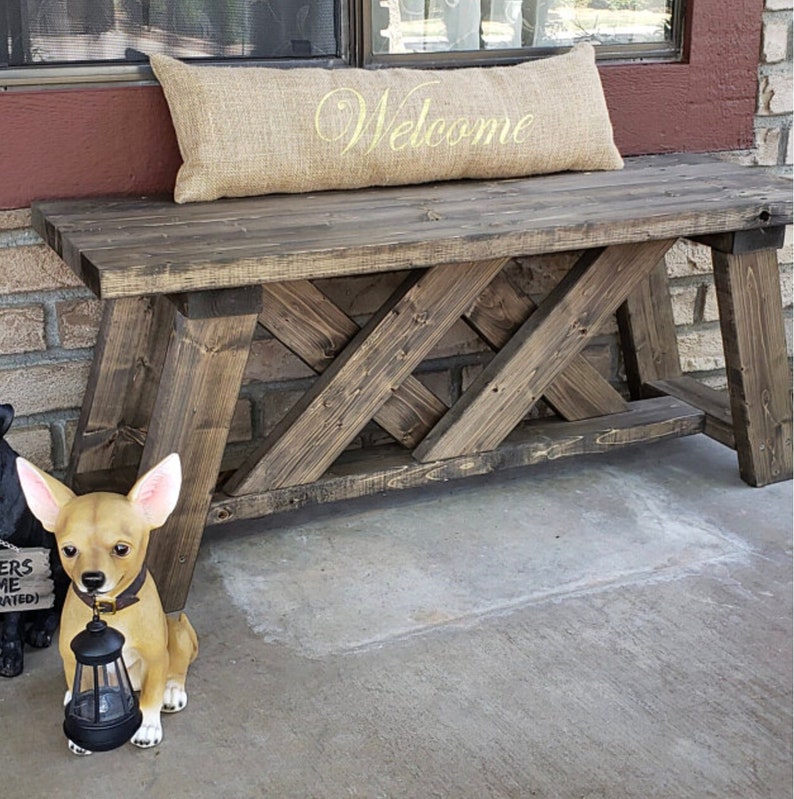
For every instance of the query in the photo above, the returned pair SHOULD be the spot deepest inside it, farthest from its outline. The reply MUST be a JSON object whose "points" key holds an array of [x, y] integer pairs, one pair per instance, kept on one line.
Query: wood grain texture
{"points": [[128, 361], [756, 361], [131, 247], [302, 318], [347, 395], [579, 392], [544, 346], [647, 333], [715, 404], [191, 415], [364, 473]]}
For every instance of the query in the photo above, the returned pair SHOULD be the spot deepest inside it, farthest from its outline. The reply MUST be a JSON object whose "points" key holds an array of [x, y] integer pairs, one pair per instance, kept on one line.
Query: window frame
{"points": [[354, 37], [633, 53], [49, 76]]}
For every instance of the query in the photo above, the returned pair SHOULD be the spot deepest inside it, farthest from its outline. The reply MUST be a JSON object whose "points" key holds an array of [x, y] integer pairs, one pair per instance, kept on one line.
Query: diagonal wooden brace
{"points": [[580, 392], [302, 318], [541, 350], [347, 395]]}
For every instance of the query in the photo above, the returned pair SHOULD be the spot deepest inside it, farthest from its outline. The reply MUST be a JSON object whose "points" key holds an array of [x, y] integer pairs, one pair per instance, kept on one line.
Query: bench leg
{"points": [[753, 334], [192, 414], [128, 359], [647, 334]]}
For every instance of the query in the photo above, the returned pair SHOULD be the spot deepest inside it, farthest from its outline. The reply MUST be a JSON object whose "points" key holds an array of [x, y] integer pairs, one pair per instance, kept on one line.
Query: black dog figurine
{"points": [[19, 527]]}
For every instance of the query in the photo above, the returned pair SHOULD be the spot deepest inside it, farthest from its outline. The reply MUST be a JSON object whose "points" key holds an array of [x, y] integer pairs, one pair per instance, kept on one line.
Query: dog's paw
{"points": [[42, 630], [78, 750], [150, 733], [39, 638], [11, 659], [174, 697]]}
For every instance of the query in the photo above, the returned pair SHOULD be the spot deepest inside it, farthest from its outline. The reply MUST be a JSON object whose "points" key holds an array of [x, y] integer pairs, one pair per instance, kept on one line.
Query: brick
{"points": [[78, 322], [34, 268], [701, 350], [694, 303], [360, 296], [687, 258], [538, 275], [438, 383], [718, 381], [39, 389], [775, 40], [275, 405], [775, 94], [460, 339], [270, 361], [785, 254], [683, 299], [602, 357], [22, 329], [12, 220], [786, 288], [240, 429], [767, 146], [469, 374], [33, 444]]}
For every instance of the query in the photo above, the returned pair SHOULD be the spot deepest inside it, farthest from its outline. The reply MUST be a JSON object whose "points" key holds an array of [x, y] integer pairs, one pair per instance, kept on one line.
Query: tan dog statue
{"points": [[102, 540]]}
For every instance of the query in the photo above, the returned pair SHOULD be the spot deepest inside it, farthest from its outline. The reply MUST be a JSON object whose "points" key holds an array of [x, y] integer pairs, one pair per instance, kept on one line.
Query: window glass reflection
{"points": [[413, 26]]}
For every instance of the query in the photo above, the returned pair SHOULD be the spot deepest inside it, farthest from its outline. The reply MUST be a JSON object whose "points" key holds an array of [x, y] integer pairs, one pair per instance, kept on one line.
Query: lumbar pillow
{"points": [[254, 130]]}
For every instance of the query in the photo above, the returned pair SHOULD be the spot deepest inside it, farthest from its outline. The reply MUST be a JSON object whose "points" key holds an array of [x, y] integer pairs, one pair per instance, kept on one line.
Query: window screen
{"points": [[52, 32]]}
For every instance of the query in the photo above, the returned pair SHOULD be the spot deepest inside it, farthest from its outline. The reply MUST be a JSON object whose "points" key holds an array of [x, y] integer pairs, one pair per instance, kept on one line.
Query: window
{"points": [[72, 40], [521, 28]]}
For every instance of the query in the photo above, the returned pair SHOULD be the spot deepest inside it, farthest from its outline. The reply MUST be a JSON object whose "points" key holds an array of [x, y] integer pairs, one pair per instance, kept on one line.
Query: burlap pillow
{"points": [[245, 131]]}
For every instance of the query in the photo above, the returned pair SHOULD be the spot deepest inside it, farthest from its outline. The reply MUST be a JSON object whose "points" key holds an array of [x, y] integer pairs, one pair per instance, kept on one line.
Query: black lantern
{"points": [[103, 712]]}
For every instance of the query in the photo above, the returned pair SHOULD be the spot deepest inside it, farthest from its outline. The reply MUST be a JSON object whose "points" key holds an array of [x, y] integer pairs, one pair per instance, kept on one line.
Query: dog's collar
{"points": [[103, 604]]}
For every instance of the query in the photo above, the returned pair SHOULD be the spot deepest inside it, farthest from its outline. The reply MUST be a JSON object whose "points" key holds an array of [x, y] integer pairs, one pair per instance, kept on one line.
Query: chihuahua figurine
{"points": [[102, 540]]}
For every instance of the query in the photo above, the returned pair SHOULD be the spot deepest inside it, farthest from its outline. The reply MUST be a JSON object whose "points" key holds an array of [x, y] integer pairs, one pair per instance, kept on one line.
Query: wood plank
{"points": [[647, 333], [192, 414], [756, 361], [128, 360], [302, 318], [715, 404], [579, 392], [156, 217], [347, 395], [546, 343], [738, 242], [123, 248], [366, 473]]}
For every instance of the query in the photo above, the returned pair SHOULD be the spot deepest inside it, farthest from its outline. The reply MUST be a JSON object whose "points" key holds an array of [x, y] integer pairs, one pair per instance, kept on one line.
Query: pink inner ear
{"points": [[41, 501], [157, 492]]}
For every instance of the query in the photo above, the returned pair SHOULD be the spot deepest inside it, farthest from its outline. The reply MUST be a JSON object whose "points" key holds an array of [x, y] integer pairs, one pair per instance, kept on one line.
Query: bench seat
{"points": [[187, 285]]}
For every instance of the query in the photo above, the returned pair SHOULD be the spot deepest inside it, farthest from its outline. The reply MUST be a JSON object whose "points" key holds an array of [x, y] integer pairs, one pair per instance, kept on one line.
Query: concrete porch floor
{"points": [[617, 626]]}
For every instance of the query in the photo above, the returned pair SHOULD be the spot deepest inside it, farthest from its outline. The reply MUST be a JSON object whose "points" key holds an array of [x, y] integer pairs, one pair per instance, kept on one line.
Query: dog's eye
{"points": [[121, 550], [69, 551]]}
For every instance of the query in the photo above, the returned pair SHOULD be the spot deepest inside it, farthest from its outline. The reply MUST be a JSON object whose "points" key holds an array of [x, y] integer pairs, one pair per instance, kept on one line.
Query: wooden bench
{"points": [[187, 285]]}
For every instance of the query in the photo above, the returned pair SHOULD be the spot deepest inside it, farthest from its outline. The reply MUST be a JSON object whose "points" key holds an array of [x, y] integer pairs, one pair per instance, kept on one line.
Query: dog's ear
{"points": [[45, 495], [157, 492]]}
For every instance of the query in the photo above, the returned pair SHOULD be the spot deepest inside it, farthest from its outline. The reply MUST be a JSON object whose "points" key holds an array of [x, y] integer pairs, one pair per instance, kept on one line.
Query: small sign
{"points": [[25, 582]]}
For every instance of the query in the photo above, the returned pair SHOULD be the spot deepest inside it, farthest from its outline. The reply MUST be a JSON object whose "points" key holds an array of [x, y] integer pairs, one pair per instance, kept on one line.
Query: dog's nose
{"points": [[92, 581]]}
